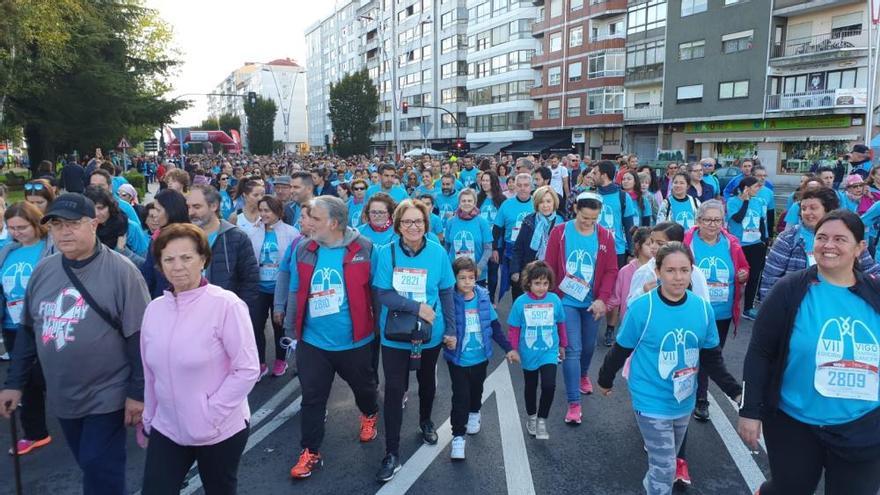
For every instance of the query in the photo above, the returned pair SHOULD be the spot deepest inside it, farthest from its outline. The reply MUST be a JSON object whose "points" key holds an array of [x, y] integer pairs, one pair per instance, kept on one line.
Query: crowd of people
{"points": [[154, 316]]}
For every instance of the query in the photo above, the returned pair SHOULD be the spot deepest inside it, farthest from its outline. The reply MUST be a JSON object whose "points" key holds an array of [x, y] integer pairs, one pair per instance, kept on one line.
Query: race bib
{"points": [[411, 280], [15, 308], [269, 272], [575, 287], [719, 292], [538, 315], [514, 233], [847, 380], [323, 303], [751, 236], [811, 260], [473, 338], [684, 383], [847, 356]]}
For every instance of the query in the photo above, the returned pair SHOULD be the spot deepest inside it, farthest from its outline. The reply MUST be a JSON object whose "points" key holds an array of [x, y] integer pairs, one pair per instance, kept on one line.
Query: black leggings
{"points": [[33, 396], [703, 377], [798, 458], [756, 254], [467, 394], [547, 373], [395, 364], [167, 464], [264, 305]]}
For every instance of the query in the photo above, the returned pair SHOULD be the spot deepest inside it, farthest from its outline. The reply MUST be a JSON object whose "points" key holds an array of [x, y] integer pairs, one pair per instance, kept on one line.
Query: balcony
{"points": [[649, 112], [606, 8], [821, 48], [818, 100], [607, 36], [788, 8], [644, 74]]}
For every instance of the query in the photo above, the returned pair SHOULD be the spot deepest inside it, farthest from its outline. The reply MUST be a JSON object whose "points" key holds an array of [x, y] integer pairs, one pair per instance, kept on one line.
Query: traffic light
{"points": [[404, 107], [252, 98], [459, 145]]}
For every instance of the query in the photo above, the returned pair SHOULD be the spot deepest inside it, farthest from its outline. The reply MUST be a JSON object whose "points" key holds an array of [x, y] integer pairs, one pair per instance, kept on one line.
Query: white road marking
{"points": [[741, 454], [735, 407]]}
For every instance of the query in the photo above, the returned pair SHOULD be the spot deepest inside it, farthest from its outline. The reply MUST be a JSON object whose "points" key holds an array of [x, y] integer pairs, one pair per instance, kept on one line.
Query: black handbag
{"points": [[403, 326]]}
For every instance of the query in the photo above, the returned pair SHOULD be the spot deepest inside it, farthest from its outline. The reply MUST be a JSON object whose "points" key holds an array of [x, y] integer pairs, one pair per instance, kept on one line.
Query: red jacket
{"points": [[606, 262], [739, 263], [356, 275]]}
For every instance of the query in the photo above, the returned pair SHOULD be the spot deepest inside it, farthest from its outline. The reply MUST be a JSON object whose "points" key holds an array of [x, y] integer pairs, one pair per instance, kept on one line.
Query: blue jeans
{"points": [[662, 438], [98, 444], [504, 281], [581, 330]]}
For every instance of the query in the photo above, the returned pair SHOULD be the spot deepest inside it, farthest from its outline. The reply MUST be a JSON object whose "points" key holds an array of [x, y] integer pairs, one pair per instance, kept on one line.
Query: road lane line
{"points": [[513, 444], [741, 454]]}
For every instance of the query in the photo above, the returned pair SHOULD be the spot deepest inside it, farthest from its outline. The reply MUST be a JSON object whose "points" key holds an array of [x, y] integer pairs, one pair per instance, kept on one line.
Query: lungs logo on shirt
{"points": [[675, 343], [463, 243], [60, 317], [16, 277], [488, 212], [685, 219], [269, 253], [752, 221], [580, 264], [328, 278], [606, 219], [715, 269], [446, 211], [847, 360]]}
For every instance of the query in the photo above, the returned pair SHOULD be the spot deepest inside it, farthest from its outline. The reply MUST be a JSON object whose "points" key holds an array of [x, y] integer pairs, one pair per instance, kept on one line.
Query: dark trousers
{"points": [[317, 368], [167, 464], [467, 393], [491, 282], [756, 254], [703, 377], [395, 364], [33, 397], [98, 444], [798, 458], [548, 388], [263, 307], [622, 260]]}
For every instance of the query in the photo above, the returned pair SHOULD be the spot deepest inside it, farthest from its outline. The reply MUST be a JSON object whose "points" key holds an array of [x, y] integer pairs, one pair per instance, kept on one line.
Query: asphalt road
{"points": [[604, 455]]}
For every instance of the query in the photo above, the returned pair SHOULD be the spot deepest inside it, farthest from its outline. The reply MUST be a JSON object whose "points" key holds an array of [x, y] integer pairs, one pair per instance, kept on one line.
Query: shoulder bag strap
{"points": [[113, 322]]}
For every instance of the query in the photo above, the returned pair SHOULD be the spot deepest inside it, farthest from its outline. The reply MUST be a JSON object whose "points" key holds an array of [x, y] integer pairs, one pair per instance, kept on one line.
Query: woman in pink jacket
{"points": [[200, 363]]}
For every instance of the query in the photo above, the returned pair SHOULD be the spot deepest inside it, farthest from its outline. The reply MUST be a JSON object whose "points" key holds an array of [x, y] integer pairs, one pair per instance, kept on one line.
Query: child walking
{"points": [[537, 330], [476, 325]]}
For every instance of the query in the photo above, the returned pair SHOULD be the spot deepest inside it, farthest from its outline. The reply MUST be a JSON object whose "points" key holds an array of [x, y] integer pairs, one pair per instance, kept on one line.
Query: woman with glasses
{"points": [[356, 202], [39, 193], [18, 259], [226, 204], [412, 275], [376, 218], [854, 197]]}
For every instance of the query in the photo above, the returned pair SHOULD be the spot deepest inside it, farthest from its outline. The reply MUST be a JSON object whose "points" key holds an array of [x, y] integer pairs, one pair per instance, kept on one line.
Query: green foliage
{"points": [[137, 180], [225, 122], [261, 125], [354, 106]]}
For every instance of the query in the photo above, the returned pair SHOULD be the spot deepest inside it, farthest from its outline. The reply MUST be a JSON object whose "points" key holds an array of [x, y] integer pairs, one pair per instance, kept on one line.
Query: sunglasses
{"points": [[224, 178], [359, 189], [34, 187]]}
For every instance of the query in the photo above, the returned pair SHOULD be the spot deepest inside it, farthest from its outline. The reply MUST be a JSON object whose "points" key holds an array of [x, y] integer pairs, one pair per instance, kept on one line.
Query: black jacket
{"points": [[73, 178], [523, 254], [768, 350]]}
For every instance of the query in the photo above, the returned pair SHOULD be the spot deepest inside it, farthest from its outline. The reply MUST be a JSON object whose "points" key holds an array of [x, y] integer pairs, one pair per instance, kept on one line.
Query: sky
{"points": [[214, 38]]}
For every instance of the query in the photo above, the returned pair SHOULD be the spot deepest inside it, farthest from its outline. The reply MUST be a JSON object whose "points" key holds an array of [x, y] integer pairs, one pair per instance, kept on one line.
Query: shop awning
{"points": [[786, 139], [490, 148], [848, 137], [539, 145]]}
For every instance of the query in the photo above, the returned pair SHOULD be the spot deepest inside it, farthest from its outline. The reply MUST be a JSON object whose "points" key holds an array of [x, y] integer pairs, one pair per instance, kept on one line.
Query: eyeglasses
{"points": [[358, 188], [224, 178], [377, 213], [35, 186], [56, 224], [124, 195], [412, 223], [712, 221]]}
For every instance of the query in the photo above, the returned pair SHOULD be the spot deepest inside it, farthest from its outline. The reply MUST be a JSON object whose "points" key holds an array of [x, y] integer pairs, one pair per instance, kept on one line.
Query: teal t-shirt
{"points": [[446, 206], [473, 349], [809, 239], [510, 217], [830, 377], [270, 259], [17, 269], [378, 239], [468, 177], [354, 212], [749, 230], [488, 211], [612, 217], [537, 320], [397, 193], [684, 212], [581, 252], [466, 238], [226, 205], [717, 265]]}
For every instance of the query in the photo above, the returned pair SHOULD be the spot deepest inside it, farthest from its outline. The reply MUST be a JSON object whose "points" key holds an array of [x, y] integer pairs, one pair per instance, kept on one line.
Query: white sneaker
{"points": [[473, 424], [541, 430], [457, 452], [531, 424]]}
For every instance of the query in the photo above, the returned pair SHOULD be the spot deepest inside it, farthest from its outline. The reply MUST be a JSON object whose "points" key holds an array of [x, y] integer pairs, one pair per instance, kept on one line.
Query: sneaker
{"points": [[574, 415], [586, 385], [368, 427], [279, 368], [609, 337], [429, 436], [308, 462], [457, 452], [701, 412], [390, 467], [264, 370], [25, 446], [541, 429], [473, 424], [4, 356], [750, 314], [404, 401], [682, 475], [531, 425]]}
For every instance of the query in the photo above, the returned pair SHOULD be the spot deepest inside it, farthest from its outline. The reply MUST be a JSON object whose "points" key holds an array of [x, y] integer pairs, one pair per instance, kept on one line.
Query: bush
{"points": [[14, 181], [136, 179]]}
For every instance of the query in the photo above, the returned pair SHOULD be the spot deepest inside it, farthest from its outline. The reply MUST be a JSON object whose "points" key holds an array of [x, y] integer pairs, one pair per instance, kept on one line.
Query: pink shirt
{"points": [[621, 286]]}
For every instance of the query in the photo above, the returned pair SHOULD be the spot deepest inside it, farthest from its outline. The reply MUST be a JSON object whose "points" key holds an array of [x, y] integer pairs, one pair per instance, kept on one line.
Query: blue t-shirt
{"points": [[766, 195], [270, 259], [793, 215], [612, 218], [327, 323], [213, 237], [422, 190], [468, 177], [436, 226], [446, 206], [846, 203], [665, 363], [17, 270], [137, 239], [488, 211], [749, 230], [472, 345], [581, 252], [226, 206], [128, 210], [713, 181], [397, 193], [378, 239], [717, 265], [684, 212], [510, 217], [830, 377], [809, 238], [354, 212], [420, 278], [537, 320], [466, 238]]}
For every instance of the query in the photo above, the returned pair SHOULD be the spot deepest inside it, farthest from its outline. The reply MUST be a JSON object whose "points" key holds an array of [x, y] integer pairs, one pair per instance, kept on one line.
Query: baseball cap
{"points": [[283, 180], [70, 206], [860, 148]]}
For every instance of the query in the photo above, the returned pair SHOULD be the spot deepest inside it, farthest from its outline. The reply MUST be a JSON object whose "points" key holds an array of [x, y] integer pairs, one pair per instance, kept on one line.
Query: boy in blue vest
{"points": [[476, 325]]}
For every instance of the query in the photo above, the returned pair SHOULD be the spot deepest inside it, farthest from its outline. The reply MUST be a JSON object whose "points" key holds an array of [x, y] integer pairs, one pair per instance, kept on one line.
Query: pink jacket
{"points": [[606, 261], [621, 287], [200, 363]]}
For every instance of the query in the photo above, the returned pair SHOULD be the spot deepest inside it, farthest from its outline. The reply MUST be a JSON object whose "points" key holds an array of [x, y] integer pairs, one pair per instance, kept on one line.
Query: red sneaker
{"points": [[368, 427], [25, 446], [308, 462], [681, 472]]}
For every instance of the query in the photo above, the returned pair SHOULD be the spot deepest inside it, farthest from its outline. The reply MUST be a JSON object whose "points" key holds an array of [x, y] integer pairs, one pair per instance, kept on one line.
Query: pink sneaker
{"points": [[574, 415], [586, 385], [264, 370], [279, 368]]}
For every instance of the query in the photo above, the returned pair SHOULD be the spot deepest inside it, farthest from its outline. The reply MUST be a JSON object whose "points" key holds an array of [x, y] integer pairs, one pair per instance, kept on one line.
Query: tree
{"points": [[225, 122], [261, 125], [354, 106]]}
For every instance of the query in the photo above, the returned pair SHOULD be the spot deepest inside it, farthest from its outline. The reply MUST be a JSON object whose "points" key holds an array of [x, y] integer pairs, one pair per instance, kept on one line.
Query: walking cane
{"points": [[13, 421]]}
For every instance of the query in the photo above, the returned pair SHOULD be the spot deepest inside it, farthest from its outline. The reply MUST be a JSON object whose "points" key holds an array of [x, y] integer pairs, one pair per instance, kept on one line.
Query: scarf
{"points": [[539, 236], [383, 228], [475, 212], [110, 231]]}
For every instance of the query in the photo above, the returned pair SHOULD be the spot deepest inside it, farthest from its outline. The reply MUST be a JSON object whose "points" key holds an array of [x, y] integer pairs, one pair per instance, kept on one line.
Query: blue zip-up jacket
{"points": [[491, 329]]}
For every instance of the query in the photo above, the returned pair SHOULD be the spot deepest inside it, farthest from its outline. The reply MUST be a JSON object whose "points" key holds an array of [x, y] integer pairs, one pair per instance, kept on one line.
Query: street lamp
{"points": [[285, 113]]}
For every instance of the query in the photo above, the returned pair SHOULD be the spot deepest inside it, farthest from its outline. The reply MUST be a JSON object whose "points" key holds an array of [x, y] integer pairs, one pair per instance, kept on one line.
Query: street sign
{"points": [[151, 145], [426, 128], [123, 144]]}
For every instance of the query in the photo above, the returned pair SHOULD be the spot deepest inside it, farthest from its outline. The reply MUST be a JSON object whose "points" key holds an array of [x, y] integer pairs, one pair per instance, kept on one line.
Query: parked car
{"points": [[725, 175]]}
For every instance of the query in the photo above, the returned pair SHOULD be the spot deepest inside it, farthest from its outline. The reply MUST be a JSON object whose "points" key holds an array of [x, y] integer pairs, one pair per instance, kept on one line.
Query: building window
{"points": [[691, 50], [646, 16], [554, 76], [573, 107], [555, 7], [733, 89], [731, 2], [553, 107], [737, 42], [576, 36], [577, 4], [555, 42], [609, 99], [574, 71], [691, 7], [607, 64], [645, 54], [689, 93]]}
